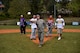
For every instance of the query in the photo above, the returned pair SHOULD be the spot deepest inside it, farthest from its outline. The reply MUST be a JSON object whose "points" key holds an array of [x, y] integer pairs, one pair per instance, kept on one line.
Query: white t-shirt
{"points": [[60, 23], [33, 23]]}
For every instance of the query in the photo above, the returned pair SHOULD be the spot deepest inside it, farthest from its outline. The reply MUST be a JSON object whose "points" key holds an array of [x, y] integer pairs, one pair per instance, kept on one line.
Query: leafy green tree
{"points": [[74, 5], [18, 7], [6, 4], [47, 5], [35, 6]]}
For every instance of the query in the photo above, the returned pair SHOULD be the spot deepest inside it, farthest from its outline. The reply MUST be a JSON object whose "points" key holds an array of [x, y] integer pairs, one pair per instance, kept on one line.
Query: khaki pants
{"points": [[59, 31]]}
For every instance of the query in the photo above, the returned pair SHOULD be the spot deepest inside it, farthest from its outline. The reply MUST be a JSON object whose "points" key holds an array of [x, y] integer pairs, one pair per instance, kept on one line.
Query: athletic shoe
{"points": [[34, 38], [31, 39], [59, 38], [40, 45]]}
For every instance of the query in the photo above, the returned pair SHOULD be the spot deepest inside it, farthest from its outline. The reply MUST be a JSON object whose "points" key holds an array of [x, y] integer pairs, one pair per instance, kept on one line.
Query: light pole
{"points": [[55, 13]]}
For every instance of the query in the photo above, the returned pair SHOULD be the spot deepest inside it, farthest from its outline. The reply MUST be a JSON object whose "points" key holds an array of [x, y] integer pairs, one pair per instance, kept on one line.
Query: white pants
{"points": [[33, 33]]}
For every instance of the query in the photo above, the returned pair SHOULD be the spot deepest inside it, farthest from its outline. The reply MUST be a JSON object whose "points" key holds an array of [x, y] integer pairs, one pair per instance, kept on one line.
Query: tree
{"points": [[46, 5], [18, 7], [74, 5], [35, 6], [6, 4]]}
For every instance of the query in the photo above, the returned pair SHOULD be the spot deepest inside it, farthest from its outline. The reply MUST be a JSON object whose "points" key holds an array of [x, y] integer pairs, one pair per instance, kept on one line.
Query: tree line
{"points": [[13, 8]]}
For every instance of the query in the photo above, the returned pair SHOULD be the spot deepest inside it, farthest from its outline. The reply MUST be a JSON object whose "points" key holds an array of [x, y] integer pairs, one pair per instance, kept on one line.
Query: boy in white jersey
{"points": [[33, 27], [59, 24]]}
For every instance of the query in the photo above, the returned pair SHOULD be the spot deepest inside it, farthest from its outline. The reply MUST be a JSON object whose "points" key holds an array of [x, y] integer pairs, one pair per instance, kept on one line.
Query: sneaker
{"points": [[59, 38], [40, 45], [31, 39], [34, 38]]}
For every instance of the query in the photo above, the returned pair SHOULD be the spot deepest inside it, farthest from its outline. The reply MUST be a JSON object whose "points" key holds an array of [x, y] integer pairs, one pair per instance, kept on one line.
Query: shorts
{"points": [[59, 31]]}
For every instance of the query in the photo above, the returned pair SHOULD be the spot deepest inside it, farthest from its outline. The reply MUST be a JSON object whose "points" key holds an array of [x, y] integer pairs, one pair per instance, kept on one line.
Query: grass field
{"points": [[17, 43], [17, 27]]}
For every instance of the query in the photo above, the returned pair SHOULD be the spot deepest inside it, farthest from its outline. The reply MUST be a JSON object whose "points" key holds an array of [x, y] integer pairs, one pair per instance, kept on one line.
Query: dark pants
{"points": [[22, 29]]}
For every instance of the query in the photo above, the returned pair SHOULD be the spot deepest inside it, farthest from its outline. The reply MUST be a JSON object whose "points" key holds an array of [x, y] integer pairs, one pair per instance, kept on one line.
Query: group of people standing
{"points": [[37, 23]]}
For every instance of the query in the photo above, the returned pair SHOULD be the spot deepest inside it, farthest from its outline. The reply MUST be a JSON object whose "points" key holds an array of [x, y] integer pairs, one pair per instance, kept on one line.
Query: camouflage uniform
{"points": [[40, 25]]}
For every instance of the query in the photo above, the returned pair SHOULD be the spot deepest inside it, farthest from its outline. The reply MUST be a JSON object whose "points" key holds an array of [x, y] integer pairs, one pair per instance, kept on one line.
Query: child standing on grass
{"points": [[59, 24], [40, 26], [50, 24]]}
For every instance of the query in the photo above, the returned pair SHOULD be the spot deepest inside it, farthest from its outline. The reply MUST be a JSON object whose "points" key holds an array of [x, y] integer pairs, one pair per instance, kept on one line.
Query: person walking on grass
{"points": [[59, 25], [33, 27], [40, 26], [22, 24], [50, 23]]}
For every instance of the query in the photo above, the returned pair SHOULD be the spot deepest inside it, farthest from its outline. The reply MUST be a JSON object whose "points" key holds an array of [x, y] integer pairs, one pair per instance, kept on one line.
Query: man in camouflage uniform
{"points": [[40, 26]]}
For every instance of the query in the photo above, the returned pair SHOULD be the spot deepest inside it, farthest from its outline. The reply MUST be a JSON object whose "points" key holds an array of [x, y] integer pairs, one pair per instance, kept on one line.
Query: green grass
{"points": [[17, 27], [72, 27], [17, 43], [69, 44], [11, 27]]}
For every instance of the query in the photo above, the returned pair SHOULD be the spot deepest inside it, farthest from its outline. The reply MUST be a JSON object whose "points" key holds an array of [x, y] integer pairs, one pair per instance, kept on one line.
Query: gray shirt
{"points": [[40, 25]]}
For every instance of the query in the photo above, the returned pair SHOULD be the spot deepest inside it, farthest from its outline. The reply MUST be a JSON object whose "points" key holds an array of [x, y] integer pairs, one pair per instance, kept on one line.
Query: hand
{"points": [[55, 27], [47, 27], [62, 27]]}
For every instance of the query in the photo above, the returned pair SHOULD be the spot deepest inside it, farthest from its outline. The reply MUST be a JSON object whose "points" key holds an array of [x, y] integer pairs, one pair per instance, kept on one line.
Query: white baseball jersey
{"points": [[33, 24], [59, 23]]}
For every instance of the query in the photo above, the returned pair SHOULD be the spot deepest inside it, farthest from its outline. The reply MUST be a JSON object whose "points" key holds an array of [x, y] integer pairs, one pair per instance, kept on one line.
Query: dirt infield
{"points": [[45, 38], [29, 30], [4, 31]]}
